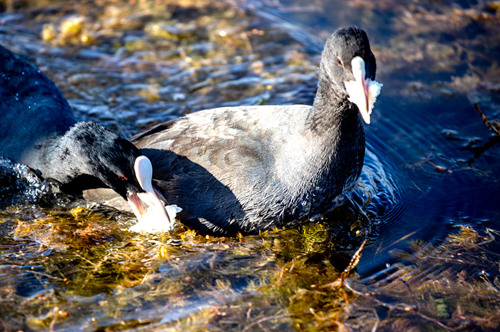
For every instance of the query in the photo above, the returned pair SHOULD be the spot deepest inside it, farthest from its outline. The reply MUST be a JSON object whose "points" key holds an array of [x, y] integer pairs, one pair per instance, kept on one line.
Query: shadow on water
{"points": [[426, 203], [186, 181]]}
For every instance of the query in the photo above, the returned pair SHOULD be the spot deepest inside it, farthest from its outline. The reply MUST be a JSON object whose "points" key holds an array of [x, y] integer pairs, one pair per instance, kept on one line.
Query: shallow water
{"points": [[131, 65]]}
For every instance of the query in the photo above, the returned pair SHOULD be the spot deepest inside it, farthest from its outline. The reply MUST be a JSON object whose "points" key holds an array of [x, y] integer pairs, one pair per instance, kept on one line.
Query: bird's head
{"points": [[118, 164], [349, 63]]}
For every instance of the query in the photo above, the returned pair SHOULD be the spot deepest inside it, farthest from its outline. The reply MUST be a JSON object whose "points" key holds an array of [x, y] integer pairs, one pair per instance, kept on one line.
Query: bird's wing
{"points": [[242, 139]]}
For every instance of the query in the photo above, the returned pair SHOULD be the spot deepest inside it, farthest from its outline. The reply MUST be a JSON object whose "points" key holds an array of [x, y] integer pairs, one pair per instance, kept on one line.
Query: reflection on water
{"points": [[130, 65]]}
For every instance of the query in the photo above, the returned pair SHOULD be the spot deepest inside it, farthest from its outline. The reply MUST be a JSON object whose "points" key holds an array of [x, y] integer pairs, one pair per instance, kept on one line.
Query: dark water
{"points": [[427, 202]]}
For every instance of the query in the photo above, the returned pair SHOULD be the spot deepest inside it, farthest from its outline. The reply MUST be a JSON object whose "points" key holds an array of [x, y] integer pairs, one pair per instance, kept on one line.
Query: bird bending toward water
{"points": [[38, 128], [252, 168]]}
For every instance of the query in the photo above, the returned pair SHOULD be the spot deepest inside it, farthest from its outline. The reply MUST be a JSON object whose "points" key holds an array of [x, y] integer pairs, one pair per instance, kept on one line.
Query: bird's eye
{"points": [[123, 178], [339, 61]]}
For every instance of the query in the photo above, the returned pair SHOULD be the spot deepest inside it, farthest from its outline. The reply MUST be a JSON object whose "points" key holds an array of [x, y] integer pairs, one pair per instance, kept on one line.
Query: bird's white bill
{"points": [[156, 214], [149, 223], [362, 91]]}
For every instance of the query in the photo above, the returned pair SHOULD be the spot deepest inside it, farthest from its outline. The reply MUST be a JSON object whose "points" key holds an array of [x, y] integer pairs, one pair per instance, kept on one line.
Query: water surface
{"points": [[426, 204]]}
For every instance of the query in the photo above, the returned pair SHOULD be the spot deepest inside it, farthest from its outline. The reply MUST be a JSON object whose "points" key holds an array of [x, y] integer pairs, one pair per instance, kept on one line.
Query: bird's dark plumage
{"points": [[252, 168], [38, 128]]}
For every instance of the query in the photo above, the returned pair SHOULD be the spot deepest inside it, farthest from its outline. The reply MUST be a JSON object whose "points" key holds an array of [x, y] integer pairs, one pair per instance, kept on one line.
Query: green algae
{"points": [[87, 259]]}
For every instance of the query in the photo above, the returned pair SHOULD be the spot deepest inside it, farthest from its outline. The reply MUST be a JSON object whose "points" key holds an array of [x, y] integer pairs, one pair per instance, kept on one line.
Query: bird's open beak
{"points": [[144, 173], [362, 91]]}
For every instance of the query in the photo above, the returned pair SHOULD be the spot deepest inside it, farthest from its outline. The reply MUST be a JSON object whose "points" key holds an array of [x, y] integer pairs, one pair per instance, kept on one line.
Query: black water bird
{"points": [[38, 128], [251, 168]]}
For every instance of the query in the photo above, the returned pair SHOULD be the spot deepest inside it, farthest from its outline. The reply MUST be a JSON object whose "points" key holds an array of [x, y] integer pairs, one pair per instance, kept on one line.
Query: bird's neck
{"points": [[60, 161], [337, 139], [333, 114]]}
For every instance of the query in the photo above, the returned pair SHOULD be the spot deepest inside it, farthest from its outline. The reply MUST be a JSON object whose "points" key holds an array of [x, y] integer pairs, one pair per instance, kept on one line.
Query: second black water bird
{"points": [[38, 128]]}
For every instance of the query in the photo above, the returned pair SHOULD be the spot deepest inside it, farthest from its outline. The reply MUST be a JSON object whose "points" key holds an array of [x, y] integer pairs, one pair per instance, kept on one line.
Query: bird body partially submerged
{"points": [[252, 168], [230, 179], [37, 128]]}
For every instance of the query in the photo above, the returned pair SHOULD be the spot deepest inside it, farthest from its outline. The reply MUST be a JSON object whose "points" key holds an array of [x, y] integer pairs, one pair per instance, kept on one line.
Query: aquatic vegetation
{"points": [[452, 286], [86, 259]]}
